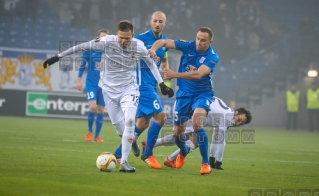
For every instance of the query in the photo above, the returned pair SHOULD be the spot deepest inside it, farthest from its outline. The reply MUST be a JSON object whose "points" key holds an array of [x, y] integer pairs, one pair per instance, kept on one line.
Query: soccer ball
{"points": [[106, 162]]}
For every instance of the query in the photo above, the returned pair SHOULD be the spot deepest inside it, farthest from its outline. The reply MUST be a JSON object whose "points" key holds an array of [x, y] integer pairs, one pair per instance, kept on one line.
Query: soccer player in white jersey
{"points": [[122, 52], [221, 117], [150, 106]]}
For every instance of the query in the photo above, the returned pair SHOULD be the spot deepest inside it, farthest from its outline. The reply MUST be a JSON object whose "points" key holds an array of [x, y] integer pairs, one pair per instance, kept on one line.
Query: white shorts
{"points": [[117, 103]]}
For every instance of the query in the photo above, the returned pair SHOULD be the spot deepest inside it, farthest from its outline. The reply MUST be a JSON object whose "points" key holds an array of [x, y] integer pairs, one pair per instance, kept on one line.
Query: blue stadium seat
{"points": [[3, 25], [2, 32], [37, 42], [25, 41], [49, 35], [40, 21]]}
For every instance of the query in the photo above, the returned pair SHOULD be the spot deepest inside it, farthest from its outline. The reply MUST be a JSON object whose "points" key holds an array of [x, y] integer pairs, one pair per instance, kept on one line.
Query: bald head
{"points": [[159, 14], [158, 22]]}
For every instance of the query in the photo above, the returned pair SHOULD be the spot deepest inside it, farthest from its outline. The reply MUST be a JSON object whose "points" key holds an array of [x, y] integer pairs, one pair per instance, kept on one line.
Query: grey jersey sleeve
{"points": [[90, 45]]}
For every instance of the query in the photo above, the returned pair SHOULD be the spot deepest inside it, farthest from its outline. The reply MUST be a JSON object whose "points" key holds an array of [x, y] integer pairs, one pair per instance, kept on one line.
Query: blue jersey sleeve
{"points": [[212, 61], [182, 45], [84, 59]]}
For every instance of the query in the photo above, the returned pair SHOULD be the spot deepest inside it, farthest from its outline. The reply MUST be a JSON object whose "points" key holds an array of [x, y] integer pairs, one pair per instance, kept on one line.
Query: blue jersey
{"points": [[93, 58], [146, 78], [190, 57]]}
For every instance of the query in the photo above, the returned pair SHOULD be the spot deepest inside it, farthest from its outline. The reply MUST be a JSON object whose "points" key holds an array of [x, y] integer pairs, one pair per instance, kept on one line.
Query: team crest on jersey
{"points": [[133, 55], [201, 60]]}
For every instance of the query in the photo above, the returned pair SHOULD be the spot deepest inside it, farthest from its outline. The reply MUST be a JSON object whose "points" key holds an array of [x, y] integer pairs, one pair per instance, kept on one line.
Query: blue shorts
{"points": [[186, 105], [94, 93], [148, 104]]}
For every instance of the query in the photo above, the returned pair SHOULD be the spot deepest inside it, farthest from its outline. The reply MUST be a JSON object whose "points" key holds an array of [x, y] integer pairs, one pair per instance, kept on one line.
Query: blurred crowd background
{"points": [[264, 45]]}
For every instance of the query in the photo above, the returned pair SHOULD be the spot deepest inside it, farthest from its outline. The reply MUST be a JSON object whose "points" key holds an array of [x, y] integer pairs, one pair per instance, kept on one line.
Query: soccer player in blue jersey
{"points": [[195, 93], [93, 91], [149, 104]]}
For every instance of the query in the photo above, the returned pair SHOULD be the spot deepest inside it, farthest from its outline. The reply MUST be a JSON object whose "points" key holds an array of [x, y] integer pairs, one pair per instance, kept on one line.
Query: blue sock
{"points": [[180, 142], [91, 116], [118, 151], [202, 142], [137, 131], [152, 136], [98, 124]]}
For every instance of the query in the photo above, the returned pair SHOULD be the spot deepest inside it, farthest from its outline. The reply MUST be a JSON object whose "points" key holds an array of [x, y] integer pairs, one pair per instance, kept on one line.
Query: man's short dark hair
{"points": [[247, 114], [103, 31], [208, 31], [125, 25]]}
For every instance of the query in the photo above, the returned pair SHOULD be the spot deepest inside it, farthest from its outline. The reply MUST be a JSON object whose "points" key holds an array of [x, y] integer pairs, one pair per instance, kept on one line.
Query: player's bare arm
{"points": [[168, 43], [191, 75], [79, 84], [164, 63]]}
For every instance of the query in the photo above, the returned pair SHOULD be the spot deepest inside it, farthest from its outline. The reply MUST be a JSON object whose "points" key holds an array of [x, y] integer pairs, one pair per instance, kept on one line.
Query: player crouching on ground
{"points": [[221, 117]]}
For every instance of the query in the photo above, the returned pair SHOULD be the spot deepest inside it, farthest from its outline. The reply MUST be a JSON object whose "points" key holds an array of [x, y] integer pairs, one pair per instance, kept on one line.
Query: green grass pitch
{"points": [[40, 156]]}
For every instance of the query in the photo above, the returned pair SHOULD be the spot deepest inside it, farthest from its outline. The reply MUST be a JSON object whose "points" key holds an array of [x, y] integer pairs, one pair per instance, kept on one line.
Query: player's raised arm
{"points": [[168, 43], [203, 70], [164, 62], [96, 44]]}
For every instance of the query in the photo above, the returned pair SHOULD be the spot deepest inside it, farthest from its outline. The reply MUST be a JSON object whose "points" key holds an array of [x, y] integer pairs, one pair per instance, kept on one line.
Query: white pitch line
{"points": [[56, 140]]}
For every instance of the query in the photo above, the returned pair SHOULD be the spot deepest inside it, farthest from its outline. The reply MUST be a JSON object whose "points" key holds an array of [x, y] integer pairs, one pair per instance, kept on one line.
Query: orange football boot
{"points": [[180, 161], [88, 136], [98, 139], [205, 169], [152, 162], [169, 163]]}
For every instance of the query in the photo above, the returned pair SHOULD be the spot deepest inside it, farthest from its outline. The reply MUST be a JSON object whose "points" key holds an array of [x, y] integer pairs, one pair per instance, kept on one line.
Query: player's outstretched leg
{"points": [[167, 140]]}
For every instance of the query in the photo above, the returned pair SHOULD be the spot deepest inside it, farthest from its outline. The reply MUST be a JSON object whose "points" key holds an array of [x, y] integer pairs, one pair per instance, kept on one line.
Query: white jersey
{"points": [[118, 65], [220, 115]]}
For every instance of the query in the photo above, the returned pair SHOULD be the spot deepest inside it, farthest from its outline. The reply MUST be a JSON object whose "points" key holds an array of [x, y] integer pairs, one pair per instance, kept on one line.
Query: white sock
{"points": [[167, 140], [128, 135], [220, 152], [127, 140], [217, 147], [213, 150], [173, 156], [191, 146]]}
